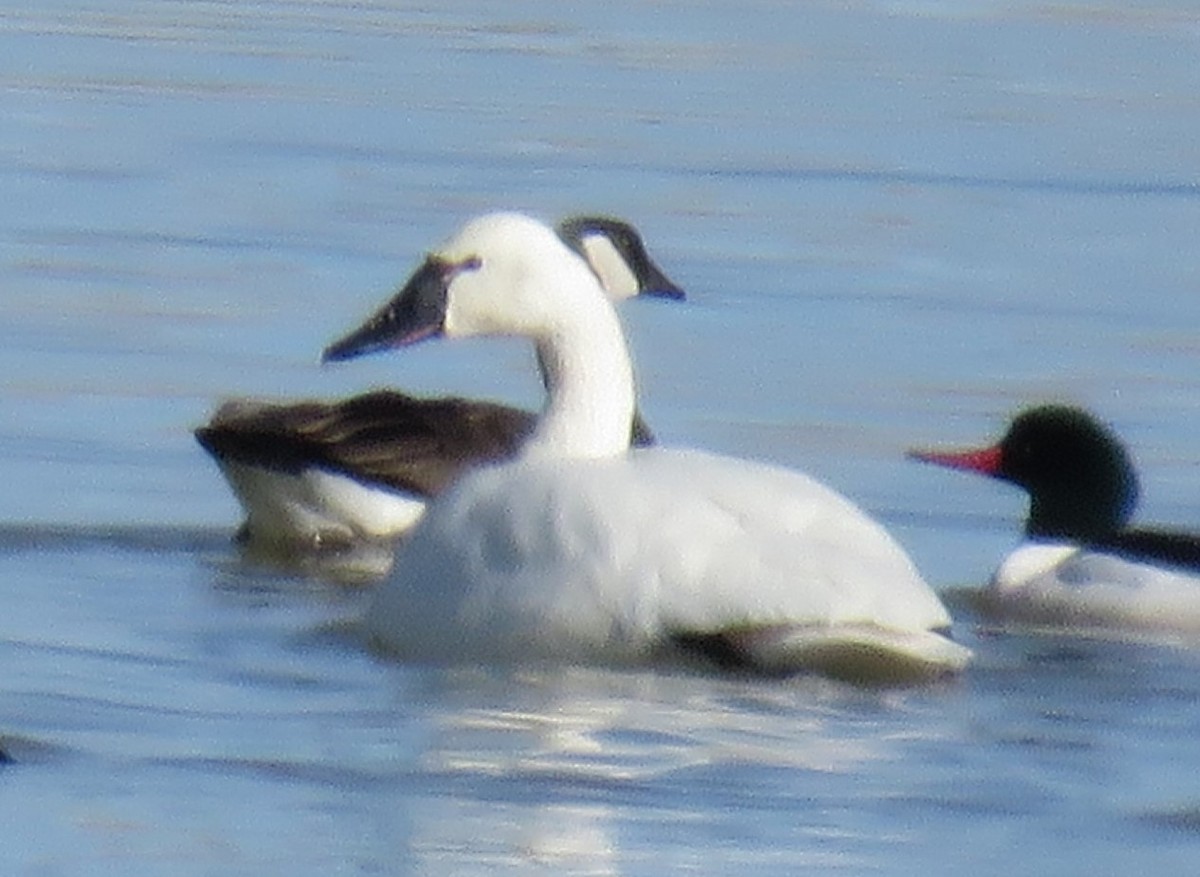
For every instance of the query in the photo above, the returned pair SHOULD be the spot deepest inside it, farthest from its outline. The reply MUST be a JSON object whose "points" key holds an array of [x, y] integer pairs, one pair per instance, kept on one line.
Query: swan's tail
{"points": [[864, 654]]}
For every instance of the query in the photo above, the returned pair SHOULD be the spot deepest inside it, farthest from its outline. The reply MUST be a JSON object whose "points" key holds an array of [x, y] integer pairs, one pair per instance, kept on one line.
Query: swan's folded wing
{"points": [[865, 653]]}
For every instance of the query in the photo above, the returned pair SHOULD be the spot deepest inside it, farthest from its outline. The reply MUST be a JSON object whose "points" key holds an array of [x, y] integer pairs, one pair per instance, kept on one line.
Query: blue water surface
{"points": [[898, 222]]}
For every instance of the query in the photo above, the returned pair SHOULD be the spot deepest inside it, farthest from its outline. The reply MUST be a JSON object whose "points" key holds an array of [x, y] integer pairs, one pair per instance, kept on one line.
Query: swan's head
{"points": [[615, 251], [502, 274]]}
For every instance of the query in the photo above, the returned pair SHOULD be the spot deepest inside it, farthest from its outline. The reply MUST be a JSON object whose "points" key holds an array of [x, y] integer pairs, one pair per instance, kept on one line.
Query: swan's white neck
{"points": [[589, 384], [516, 277]]}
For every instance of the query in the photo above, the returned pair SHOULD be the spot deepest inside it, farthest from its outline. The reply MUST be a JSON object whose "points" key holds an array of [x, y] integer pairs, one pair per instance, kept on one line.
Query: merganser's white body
{"points": [[1065, 585]]}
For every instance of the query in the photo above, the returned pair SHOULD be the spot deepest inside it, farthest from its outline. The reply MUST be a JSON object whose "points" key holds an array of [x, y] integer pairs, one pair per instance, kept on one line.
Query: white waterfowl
{"points": [[331, 473], [581, 549]]}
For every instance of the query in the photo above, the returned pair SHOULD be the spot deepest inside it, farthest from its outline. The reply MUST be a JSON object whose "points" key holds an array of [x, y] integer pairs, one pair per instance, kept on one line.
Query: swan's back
{"points": [[608, 558]]}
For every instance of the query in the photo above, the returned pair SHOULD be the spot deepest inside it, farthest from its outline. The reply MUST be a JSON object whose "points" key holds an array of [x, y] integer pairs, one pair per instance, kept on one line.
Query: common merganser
{"points": [[1083, 564]]}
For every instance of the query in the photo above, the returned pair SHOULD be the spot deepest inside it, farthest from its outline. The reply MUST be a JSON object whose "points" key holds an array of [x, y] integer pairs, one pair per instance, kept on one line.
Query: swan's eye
{"points": [[471, 264]]}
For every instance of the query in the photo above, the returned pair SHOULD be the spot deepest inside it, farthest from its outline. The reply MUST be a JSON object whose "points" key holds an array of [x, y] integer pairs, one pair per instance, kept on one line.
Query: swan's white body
{"points": [[1061, 583], [583, 550], [606, 559]]}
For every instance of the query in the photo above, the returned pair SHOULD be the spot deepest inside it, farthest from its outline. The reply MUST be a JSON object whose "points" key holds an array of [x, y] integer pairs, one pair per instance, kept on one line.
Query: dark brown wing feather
{"points": [[409, 443], [405, 442]]}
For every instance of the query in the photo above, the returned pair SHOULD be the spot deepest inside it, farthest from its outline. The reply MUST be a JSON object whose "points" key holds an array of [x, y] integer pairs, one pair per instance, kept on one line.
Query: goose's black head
{"points": [[618, 256]]}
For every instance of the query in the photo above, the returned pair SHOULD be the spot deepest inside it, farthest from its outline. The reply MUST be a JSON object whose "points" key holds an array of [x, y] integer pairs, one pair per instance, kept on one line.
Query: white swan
{"points": [[321, 474], [584, 550]]}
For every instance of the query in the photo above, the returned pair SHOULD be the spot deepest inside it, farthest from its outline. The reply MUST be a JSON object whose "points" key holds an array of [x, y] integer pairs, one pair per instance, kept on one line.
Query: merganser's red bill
{"points": [[986, 461]]}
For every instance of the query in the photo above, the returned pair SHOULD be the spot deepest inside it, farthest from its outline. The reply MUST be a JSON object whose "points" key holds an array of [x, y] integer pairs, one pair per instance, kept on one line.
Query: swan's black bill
{"points": [[416, 312]]}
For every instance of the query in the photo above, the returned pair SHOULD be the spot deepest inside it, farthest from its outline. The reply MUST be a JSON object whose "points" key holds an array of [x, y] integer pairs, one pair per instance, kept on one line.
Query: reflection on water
{"points": [[238, 703], [898, 223]]}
